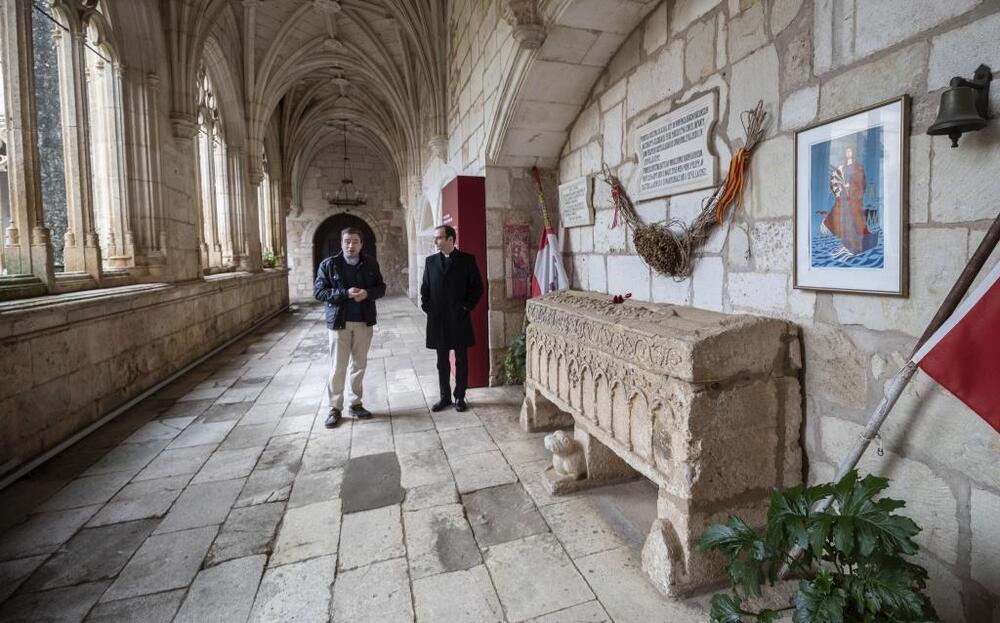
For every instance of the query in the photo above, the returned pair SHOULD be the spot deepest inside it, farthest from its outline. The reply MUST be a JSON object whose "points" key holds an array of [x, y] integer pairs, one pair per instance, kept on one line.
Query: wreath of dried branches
{"points": [[669, 247]]}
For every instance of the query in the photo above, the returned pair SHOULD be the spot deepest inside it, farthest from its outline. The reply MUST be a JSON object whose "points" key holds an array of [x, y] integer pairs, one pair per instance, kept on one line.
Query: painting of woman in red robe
{"points": [[846, 220]]}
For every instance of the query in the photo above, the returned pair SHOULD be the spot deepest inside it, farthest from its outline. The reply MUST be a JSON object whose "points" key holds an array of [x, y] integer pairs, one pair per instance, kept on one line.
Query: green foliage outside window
{"points": [[513, 361]]}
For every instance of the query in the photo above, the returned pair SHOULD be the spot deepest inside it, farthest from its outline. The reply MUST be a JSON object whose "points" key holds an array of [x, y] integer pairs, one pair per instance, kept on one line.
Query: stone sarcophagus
{"points": [[705, 405]]}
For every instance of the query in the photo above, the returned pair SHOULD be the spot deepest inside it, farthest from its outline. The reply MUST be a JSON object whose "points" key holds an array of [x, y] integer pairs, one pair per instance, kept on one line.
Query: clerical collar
{"points": [[446, 254]]}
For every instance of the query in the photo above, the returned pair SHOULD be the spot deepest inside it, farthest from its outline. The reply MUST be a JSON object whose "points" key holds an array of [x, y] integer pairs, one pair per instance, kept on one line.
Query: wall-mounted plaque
{"points": [[517, 260], [575, 205], [674, 154]]}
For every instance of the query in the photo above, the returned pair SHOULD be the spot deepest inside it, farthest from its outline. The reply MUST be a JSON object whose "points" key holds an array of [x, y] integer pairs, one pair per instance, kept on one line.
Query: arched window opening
{"points": [[5, 210], [216, 243], [265, 211], [50, 33], [107, 142]]}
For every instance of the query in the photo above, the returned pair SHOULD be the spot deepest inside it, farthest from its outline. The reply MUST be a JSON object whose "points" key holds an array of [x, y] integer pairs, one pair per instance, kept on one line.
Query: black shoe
{"points": [[440, 404], [333, 419], [360, 412], [460, 405]]}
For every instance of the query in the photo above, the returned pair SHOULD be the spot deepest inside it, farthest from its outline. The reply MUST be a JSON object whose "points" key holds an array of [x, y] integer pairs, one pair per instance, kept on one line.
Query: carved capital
{"points": [[526, 21], [438, 145], [185, 125], [327, 6]]}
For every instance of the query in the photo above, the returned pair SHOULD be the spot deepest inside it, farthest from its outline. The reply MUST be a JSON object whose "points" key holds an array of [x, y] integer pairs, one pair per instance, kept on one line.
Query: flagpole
{"points": [[541, 198], [902, 378]]}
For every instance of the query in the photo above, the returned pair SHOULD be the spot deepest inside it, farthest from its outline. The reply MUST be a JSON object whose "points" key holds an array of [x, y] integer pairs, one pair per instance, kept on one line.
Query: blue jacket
{"points": [[331, 287]]}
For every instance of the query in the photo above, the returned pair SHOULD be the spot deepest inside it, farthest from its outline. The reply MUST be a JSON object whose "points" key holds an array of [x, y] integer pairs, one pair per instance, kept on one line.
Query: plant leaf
{"points": [[819, 601], [726, 609]]}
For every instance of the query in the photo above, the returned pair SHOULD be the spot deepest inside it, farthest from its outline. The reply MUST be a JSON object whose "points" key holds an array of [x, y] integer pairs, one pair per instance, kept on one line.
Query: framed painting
{"points": [[850, 202], [517, 260]]}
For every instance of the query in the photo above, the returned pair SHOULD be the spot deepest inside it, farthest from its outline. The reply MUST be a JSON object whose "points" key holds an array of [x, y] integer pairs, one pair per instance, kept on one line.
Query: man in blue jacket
{"points": [[349, 283]]}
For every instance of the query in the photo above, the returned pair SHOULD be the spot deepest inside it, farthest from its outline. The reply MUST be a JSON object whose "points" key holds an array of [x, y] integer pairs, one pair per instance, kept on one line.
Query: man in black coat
{"points": [[451, 288], [348, 283]]}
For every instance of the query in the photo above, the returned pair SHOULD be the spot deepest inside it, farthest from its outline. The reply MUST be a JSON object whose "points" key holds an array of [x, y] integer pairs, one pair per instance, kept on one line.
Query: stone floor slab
{"points": [[425, 468], [479, 471], [307, 532], [427, 496], [176, 463], [200, 505], [298, 592], [267, 485], [295, 424], [140, 500], [162, 429], [43, 533], [534, 576], [451, 420], [248, 436], [69, 605], [413, 443], [163, 563], [310, 488], [128, 457], [155, 608], [86, 492], [202, 434], [14, 572], [371, 481], [228, 465], [324, 452], [224, 592], [616, 576], [461, 441], [247, 531], [371, 536], [581, 529], [521, 451], [92, 555], [376, 593], [373, 437], [590, 612], [439, 539], [457, 597], [501, 514]]}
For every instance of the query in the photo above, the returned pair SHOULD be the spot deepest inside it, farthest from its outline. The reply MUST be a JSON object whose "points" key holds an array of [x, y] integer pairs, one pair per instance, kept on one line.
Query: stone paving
{"points": [[223, 498]]}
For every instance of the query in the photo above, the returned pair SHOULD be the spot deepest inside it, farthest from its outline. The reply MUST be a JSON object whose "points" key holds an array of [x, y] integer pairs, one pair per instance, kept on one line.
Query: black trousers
{"points": [[461, 372]]}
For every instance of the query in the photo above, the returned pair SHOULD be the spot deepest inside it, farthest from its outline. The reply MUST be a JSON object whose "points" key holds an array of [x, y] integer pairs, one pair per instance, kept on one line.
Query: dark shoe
{"points": [[460, 405], [440, 404], [360, 412], [333, 419]]}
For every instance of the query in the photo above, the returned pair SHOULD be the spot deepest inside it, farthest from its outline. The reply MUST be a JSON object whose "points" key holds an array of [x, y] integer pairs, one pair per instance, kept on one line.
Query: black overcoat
{"points": [[447, 297]]}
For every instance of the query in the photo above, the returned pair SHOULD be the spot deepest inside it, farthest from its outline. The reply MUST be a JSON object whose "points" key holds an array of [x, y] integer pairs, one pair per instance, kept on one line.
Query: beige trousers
{"points": [[350, 342]]}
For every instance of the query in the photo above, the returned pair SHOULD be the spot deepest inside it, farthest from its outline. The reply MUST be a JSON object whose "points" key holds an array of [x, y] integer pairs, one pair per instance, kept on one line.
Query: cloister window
{"points": [[107, 143], [5, 213], [265, 211], [214, 195], [50, 29]]}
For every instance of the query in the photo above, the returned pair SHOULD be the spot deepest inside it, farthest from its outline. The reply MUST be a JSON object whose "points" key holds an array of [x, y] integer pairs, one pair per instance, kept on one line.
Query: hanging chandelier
{"points": [[347, 196]]}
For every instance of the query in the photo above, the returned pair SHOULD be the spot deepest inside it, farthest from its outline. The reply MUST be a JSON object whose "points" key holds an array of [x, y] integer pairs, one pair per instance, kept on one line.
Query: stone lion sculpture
{"points": [[568, 461]]}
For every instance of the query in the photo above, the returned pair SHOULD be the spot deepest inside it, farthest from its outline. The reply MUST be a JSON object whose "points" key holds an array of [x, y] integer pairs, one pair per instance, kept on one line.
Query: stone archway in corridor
{"points": [[326, 240]]}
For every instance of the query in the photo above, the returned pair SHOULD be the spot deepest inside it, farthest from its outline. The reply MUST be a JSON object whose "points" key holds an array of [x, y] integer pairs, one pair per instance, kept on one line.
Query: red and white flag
{"points": [[963, 355], [549, 272]]}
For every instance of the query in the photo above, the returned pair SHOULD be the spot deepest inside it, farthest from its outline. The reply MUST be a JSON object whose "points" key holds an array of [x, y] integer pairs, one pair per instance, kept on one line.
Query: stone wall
{"points": [[382, 212], [68, 365], [810, 61]]}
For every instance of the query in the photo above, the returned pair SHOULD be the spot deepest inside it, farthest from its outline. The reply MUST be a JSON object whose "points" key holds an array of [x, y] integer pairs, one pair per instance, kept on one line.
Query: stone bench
{"points": [[705, 405]]}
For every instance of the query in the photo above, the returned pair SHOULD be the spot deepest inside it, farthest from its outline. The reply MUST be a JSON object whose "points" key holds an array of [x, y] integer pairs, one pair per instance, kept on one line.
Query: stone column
{"points": [[82, 251], [116, 150], [247, 180], [234, 189], [26, 242]]}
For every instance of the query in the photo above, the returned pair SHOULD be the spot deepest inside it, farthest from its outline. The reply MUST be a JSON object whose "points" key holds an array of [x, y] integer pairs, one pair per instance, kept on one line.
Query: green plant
{"points": [[268, 259], [853, 557], [513, 361]]}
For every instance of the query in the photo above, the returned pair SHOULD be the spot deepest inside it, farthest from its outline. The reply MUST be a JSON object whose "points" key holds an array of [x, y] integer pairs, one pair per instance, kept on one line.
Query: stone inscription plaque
{"points": [[673, 150], [575, 205]]}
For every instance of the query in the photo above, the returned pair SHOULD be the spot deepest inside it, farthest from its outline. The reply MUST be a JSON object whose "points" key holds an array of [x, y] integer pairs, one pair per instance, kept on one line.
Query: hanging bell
{"points": [[963, 106]]}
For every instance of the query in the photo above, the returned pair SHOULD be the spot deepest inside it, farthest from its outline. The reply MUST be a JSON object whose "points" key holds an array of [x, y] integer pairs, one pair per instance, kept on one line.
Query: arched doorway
{"points": [[326, 241]]}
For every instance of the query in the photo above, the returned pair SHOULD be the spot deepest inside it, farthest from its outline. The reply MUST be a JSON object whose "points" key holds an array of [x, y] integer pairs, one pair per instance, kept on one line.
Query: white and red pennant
{"points": [[963, 355], [549, 273]]}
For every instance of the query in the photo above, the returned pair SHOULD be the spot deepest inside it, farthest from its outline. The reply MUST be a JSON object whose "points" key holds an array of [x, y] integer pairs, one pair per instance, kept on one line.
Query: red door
{"points": [[463, 206]]}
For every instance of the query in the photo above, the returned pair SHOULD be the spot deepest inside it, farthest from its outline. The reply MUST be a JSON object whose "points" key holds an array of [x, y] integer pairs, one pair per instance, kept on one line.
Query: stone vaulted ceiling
{"points": [[377, 63]]}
